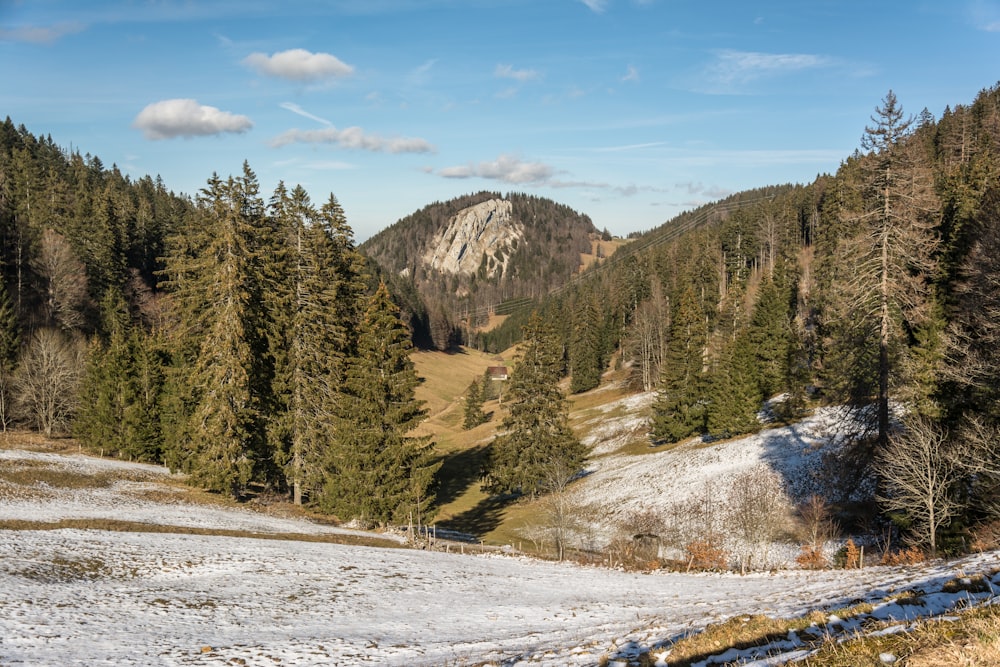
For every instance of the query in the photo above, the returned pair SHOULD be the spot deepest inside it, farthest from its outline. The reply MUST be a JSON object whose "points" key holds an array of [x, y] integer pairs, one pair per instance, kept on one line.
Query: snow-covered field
{"points": [[92, 597]]}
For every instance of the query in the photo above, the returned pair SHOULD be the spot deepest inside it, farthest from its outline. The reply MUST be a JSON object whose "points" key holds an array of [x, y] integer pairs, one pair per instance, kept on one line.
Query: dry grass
{"points": [[37, 473], [741, 632], [36, 442], [446, 376], [137, 527], [971, 641]]}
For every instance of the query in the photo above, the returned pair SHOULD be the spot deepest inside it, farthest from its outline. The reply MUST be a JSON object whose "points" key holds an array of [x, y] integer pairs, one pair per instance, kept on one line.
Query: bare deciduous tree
{"points": [[650, 324], [817, 524], [46, 381], [816, 528], [6, 397], [65, 281], [699, 518], [561, 515], [920, 467], [982, 441], [757, 513]]}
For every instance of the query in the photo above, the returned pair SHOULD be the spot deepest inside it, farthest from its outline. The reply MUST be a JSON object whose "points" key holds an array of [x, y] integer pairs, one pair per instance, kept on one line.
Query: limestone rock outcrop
{"points": [[481, 233]]}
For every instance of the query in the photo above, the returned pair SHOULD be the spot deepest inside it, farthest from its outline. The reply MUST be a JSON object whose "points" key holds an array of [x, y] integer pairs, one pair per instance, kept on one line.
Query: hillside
{"points": [[454, 263], [625, 477]]}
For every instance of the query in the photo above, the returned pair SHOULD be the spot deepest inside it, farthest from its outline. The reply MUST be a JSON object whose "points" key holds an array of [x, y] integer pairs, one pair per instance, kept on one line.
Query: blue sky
{"points": [[631, 111]]}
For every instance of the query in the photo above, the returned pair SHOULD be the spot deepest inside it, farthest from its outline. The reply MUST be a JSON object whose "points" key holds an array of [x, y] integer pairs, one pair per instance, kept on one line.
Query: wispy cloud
{"points": [[353, 138], [506, 169], [630, 147], [41, 34], [315, 165], [621, 190], [511, 169], [169, 119], [421, 74], [520, 75], [299, 65], [985, 15], [631, 74], [708, 192], [296, 109], [759, 158], [733, 69], [597, 6]]}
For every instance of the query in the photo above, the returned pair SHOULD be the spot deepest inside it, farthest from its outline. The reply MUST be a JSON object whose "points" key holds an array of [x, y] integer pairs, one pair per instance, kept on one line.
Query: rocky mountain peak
{"points": [[488, 228]]}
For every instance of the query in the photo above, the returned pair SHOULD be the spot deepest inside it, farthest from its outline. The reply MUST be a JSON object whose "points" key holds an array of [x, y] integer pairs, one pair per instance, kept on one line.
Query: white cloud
{"points": [[40, 34], [631, 74], [299, 65], [506, 169], [168, 119], [353, 138], [522, 75]]}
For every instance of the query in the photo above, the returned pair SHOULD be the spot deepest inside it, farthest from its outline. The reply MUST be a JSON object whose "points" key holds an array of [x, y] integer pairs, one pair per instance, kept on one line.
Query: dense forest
{"points": [[237, 340]]}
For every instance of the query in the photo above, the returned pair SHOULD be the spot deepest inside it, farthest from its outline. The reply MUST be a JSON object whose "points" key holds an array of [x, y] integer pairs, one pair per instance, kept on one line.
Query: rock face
{"points": [[481, 233]]}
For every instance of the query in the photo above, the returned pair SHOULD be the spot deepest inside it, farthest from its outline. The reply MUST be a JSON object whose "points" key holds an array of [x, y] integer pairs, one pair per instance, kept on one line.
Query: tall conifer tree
{"points": [[735, 393], [535, 438], [376, 473], [223, 444], [586, 353], [10, 337], [891, 257], [679, 409]]}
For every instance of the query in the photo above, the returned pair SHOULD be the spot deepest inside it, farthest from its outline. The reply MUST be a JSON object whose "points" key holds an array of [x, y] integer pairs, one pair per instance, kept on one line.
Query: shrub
{"points": [[909, 556], [706, 555], [811, 558], [848, 556]]}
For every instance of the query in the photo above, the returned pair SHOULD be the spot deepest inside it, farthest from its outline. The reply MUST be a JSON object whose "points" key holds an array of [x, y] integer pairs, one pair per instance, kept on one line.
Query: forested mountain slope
{"points": [[453, 263]]}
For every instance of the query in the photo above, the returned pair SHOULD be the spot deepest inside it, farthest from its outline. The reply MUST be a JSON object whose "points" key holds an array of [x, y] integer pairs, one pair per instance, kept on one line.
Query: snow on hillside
{"points": [[96, 597], [128, 497], [618, 484]]}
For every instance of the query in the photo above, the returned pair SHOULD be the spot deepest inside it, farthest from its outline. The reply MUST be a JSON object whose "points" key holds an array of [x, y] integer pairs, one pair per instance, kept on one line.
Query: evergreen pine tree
{"points": [[106, 381], [891, 257], [535, 437], [735, 393], [328, 295], [10, 338], [474, 415], [585, 350], [142, 426], [770, 338], [222, 444], [679, 411], [376, 473]]}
